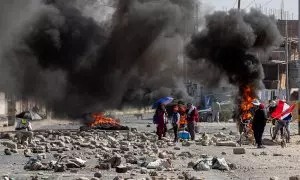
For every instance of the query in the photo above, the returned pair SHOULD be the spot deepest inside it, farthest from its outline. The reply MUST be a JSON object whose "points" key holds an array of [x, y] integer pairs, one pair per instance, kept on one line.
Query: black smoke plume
{"points": [[236, 43], [59, 52]]}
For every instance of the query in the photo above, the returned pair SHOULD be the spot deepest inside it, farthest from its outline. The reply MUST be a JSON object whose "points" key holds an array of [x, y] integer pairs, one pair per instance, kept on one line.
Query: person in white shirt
{"points": [[24, 131], [216, 108]]}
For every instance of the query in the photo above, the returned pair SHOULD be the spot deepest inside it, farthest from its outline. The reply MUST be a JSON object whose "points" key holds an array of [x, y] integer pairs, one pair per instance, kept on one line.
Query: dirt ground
{"points": [[276, 161]]}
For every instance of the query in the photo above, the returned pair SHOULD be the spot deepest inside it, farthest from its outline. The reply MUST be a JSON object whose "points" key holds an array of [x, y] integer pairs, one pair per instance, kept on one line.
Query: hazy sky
{"points": [[268, 6]]}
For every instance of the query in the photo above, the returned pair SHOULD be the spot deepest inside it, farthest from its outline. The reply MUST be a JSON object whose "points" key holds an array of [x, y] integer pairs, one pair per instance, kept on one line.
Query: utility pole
{"points": [[239, 4], [287, 58]]}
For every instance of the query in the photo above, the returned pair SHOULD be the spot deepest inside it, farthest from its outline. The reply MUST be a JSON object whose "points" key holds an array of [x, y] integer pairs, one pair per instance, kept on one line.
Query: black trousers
{"points": [[175, 129], [258, 133]]}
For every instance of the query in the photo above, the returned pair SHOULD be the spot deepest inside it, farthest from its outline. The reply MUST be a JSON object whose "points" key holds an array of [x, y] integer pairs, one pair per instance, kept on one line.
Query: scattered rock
{"points": [[60, 168], [232, 166], [255, 154], [83, 178], [277, 154], [7, 152], [115, 160], [98, 175], [153, 173], [223, 153], [274, 178], [164, 163], [103, 166], [144, 170], [177, 148], [10, 145], [226, 143], [186, 143], [27, 153], [297, 177], [162, 155], [191, 164], [220, 135], [239, 151], [121, 169], [220, 163], [148, 125], [202, 166], [264, 153], [118, 178]]}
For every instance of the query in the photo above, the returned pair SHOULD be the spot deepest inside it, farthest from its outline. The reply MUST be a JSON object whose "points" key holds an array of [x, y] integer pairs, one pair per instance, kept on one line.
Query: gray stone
{"points": [[226, 143], [186, 143], [191, 164], [220, 163], [118, 178], [115, 161], [201, 166], [98, 175], [121, 169], [297, 177], [277, 154], [232, 166], [274, 178], [162, 155], [153, 173], [177, 148], [103, 166], [264, 153], [10, 145], [95, 178], [239, 151], [144, 170], [27, 153], [83, 178], [7, 152]]}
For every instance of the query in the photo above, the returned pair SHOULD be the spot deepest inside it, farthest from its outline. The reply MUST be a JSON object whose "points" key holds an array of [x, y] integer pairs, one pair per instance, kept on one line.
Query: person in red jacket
{"points": [[192, 118], [160, 114]]}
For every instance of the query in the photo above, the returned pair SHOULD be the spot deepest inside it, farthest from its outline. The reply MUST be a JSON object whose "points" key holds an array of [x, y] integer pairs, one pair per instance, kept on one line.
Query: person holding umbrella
{"points": [[160, 116], [159, 120]]}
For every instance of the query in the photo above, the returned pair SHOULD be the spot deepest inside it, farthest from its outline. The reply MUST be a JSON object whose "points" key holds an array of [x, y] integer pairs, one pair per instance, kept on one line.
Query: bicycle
{"points": [[284, 134], [246, 132]]}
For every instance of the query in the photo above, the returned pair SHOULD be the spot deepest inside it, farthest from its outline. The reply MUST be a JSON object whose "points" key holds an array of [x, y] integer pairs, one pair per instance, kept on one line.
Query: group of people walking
{"points": [[182, 117]]}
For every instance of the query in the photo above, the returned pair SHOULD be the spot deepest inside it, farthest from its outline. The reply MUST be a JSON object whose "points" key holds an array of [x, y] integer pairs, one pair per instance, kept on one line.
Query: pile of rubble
{"points": [[121, 152], [218, 139]]}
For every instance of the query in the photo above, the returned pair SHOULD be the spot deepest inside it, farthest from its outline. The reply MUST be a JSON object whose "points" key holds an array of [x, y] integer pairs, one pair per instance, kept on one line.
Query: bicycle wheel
{"points": [[272, 131], [241, 138]]}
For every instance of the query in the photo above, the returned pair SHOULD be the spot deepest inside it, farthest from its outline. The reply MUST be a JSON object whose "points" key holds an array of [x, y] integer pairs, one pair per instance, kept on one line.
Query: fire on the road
{"points": [[100, 119], [246, 105]]}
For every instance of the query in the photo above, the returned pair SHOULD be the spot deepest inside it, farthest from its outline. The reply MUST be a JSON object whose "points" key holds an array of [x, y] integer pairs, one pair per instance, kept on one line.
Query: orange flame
{"points": [[100, 119], [246, 105]]}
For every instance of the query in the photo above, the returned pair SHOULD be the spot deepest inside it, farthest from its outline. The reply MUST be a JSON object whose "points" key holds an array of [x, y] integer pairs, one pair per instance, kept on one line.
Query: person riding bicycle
{"points": [[271, 108], [283, 123]]}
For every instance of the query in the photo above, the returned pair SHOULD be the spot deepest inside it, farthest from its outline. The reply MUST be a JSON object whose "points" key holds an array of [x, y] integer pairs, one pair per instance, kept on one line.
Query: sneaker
{"points": [[260, 146]]}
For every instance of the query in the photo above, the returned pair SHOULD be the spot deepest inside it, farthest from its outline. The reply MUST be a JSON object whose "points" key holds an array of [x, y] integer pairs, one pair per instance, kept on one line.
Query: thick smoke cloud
{"points": [[59, 52], [235, 43]]}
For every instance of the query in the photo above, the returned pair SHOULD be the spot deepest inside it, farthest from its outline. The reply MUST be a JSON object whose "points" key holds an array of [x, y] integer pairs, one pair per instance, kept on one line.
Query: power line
{"points": [[249, 4], [234, 4], [267, 3]]}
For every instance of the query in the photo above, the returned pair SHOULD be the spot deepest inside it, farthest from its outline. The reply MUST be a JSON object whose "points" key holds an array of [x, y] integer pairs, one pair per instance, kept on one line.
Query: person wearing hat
{"points": [[259, 122], [24, 131]]}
